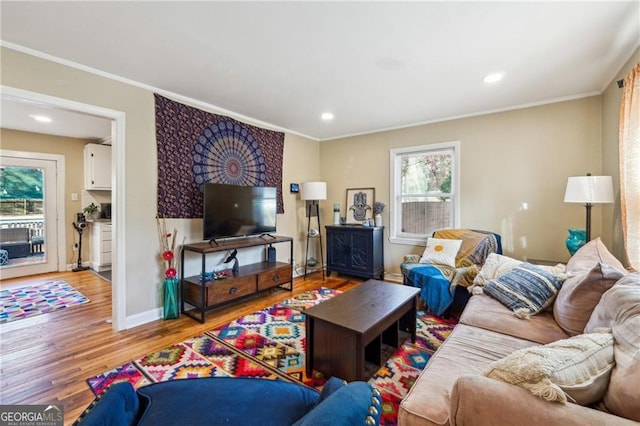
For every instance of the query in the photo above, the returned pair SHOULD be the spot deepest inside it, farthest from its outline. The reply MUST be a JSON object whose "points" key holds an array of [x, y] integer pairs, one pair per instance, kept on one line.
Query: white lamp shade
{"points": [[589, 189], [313, 191]]}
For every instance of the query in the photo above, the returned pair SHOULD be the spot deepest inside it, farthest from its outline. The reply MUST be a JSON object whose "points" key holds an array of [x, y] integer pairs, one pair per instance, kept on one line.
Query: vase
{"points": [[576, 239], [378, 219], [171, 295]]}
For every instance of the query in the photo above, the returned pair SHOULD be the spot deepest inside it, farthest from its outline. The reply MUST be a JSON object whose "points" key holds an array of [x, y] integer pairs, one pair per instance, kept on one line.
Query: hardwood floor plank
{"points": [[47, 358]]}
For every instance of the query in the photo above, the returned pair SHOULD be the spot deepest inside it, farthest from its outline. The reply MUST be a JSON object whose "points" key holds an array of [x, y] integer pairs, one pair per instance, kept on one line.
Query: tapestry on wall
{"points": [[197, 147]]}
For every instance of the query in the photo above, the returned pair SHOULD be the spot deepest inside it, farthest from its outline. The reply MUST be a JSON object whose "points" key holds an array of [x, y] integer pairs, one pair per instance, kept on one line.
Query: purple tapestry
{"points": [[196, 147]]}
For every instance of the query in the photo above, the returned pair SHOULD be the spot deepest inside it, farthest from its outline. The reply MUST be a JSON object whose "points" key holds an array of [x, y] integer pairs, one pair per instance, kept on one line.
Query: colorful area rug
{"points": [[38, 299], [270, 344]]}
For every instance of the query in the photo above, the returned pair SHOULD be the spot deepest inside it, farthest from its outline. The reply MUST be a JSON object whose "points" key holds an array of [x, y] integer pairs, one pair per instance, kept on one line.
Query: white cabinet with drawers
{"points": [[100, 246]]}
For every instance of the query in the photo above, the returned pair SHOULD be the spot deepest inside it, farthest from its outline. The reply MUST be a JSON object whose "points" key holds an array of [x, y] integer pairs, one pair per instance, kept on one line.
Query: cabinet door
{"points": [[361, 252], [97, 166], [338, 249]]}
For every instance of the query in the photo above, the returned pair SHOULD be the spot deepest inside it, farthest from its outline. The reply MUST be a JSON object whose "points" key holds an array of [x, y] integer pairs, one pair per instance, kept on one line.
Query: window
{"points": [[424, 191]]}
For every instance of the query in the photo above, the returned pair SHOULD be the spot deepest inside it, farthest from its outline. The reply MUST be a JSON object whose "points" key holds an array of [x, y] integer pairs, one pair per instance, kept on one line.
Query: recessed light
{"points": [[41, 118], [327, 116], [492, 78]]}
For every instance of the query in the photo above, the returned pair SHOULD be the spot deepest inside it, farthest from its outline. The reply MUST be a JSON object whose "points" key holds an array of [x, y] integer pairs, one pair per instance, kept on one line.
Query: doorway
{"points": [[30, 236], [117, 118]]}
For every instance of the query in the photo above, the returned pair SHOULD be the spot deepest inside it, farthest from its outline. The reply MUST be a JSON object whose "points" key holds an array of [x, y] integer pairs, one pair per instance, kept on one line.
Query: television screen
{"points": [[235, 211]]}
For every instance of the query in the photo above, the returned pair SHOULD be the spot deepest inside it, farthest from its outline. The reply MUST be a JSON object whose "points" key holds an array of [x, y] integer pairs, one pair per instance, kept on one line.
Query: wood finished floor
{"points": [[47, 358]]}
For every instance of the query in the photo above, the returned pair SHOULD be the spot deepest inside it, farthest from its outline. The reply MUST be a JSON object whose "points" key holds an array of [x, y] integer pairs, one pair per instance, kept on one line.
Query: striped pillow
{"points": [[526, 289]]}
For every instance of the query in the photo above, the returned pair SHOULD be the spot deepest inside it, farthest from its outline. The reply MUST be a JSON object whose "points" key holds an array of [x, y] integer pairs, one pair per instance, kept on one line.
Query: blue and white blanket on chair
{"points": [[437, 282]]}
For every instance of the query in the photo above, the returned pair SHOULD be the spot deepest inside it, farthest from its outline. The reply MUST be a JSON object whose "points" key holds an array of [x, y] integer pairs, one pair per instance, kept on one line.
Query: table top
{"points": [[364, 306]]}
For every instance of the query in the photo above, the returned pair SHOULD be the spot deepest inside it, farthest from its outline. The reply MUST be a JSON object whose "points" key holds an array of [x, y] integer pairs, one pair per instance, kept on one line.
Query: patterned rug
{"points": [[38, 299], [270, 344]]}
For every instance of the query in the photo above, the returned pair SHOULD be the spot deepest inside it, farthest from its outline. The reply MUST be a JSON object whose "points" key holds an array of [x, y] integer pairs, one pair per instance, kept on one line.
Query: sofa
{"points": [[16, 241], [234, 401], [481, 376]]}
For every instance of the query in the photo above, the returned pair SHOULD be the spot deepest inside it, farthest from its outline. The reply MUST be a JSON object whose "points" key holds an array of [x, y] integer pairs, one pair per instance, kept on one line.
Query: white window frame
{"points": [[396, 234]]}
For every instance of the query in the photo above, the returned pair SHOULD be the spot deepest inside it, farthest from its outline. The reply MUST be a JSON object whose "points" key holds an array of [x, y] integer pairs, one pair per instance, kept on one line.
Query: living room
{"points": [[513, 171]]}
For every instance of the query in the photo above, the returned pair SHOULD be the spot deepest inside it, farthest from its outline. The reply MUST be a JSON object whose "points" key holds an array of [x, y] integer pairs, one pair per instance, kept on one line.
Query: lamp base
{"points": [[576, 239]]}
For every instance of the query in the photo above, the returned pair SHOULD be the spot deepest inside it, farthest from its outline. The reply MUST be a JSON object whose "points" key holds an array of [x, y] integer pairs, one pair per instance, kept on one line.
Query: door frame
{"points": [[118, 280], [61, 236]]}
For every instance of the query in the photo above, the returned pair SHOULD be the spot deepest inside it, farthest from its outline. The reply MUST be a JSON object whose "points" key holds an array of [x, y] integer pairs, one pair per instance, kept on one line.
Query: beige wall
{"points": [[509, 160], [611, 99], [142, 268], [72, 150]]}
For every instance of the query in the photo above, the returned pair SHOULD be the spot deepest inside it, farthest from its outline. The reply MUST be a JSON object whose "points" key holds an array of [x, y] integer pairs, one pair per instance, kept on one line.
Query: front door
{"points": [[28, 210]]}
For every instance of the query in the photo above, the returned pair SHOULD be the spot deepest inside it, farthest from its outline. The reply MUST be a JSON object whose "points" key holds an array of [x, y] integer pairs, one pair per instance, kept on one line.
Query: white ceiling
{"points": [[374, 65]]}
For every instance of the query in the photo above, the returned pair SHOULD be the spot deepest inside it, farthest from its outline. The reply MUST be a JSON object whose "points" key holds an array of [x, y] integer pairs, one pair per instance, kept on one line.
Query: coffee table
{"points": [[343, 332]]}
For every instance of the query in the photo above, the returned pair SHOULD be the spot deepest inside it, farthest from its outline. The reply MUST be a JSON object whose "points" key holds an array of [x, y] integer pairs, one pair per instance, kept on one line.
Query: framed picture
{"points": [[360, 204]]}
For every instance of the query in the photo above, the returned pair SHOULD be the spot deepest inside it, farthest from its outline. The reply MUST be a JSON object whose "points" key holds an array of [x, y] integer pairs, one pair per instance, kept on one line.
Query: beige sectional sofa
{"points": [[597, 295]]}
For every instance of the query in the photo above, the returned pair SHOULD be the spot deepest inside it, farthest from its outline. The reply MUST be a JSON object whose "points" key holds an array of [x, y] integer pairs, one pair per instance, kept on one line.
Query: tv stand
{"points": [[213, 241], [205, 294], [267, 235]]}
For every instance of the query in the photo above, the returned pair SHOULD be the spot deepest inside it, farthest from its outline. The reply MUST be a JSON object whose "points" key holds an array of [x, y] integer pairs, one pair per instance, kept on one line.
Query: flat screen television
{"points": [[238, 211]]}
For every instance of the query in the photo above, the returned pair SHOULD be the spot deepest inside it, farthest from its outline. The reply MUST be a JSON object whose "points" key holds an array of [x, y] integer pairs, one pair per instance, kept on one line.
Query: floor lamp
{"points": [[589, 190], [312, 193]]}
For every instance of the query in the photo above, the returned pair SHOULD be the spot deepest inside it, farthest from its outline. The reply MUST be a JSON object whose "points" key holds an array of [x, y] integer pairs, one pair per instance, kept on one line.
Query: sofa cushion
{"points": [[225, 400], [589, 255], [486, 312], [580, 293], [441, 251], [619, 309], [526, 289], [577, 368], [468, 350]]}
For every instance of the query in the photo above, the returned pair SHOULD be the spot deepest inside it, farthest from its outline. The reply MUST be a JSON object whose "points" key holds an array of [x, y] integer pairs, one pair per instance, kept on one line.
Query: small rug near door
{"points": [[38, 299], [270, 344]]}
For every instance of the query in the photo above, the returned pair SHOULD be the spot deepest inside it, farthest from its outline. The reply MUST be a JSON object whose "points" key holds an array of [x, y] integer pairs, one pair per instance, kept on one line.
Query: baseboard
{"points": [[143, 318], [71, 266]]}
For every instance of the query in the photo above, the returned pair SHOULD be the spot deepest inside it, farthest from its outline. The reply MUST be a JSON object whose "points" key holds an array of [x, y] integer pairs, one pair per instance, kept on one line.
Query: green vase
{"points": [[576, 239], [171, 293]]}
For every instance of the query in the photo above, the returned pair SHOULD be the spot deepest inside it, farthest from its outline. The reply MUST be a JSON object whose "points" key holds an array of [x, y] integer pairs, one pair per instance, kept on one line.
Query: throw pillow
{"points": [[619, 308], [494, 266], [580, 294], [589, 255], [577, 368], [441, 251], [526, 289]]}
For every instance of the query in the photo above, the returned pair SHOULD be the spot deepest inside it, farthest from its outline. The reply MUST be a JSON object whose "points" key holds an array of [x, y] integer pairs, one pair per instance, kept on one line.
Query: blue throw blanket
{"points": [[435, 289]]}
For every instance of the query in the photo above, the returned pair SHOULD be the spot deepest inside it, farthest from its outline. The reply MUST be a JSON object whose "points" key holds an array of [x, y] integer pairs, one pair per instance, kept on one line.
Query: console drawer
{"points": [[274, 277], [225, 290]]}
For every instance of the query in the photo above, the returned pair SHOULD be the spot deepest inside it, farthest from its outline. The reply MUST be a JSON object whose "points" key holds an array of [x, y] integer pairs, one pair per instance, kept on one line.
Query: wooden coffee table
{"points": [[344, 331]]}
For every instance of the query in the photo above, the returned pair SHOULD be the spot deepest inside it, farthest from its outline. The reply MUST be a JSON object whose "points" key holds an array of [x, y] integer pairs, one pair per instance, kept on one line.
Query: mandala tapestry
{"points": [[197, 147]]}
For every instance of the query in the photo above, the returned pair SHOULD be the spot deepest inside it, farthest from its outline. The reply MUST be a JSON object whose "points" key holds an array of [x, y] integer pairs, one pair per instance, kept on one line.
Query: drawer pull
{"points": [[276, 277], [232, 290]]}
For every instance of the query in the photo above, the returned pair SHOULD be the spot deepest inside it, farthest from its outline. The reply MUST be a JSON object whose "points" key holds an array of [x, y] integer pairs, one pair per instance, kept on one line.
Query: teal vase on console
{"points": [[576, 239], [171, 289]]}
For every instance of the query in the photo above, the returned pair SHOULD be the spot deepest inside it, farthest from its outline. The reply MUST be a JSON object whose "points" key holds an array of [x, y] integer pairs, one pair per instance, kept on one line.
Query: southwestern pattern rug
{"points": [[270, 344], [38, 299]]}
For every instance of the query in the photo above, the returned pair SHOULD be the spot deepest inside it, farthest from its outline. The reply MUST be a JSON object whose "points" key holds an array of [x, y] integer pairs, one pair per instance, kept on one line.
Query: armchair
{"points": [[439, 283], [235, 401]]}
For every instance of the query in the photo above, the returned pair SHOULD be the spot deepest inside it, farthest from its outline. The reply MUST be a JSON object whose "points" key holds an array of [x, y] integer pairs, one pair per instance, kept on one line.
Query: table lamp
{"points": [[588, 190]]}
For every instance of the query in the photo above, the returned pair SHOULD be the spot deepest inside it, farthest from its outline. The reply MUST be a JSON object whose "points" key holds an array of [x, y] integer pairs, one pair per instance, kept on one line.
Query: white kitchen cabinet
{"points": [[100, 246], [97, 166]]}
